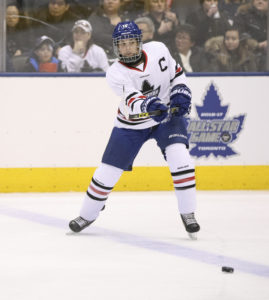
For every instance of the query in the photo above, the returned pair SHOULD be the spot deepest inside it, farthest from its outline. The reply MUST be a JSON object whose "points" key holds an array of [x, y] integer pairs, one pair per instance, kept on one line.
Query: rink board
{"points": [[53, 131], [140, 179]]}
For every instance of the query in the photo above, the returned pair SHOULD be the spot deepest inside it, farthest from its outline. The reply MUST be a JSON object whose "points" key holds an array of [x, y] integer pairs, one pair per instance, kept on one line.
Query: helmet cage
{"points": [[128, 59]]}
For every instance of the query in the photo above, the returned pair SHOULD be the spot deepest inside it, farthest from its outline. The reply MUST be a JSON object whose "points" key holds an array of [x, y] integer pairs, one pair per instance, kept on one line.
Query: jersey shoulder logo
{"points": [[212, 132], [149, 90]]}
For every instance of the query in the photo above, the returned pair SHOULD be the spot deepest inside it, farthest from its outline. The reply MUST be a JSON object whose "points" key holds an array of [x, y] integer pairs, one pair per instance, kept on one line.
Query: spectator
{"points": [[131, 9], [147, 27], [103, 21], [17, 31], [183, 7], [233, 53], [83, 8], [29, 6], [231, 7], [56, 21], [42, 59], [252, 20], [186, 53], [9, 64], [164, 20], [208, 21], [81, 55]]}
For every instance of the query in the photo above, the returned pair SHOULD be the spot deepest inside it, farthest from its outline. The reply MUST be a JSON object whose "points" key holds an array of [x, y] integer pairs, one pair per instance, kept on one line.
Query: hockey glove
{"points": [[154, 103], [180, 97]]}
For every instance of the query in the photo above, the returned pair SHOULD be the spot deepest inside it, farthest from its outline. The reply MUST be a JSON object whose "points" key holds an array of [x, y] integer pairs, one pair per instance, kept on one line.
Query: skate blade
{"points": [[192, 235]]}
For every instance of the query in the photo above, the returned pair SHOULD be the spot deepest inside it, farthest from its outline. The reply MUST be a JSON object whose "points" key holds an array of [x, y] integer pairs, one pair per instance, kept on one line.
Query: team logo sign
{"points": [[213, 132]]}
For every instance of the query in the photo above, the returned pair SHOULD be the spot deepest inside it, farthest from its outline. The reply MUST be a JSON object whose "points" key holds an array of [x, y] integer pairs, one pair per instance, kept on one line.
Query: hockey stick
{"points": [[150, 114]]}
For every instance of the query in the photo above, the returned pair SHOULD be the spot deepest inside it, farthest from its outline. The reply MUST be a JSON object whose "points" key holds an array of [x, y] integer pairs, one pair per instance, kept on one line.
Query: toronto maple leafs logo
{"points": [[148, 89], [213, 133]]}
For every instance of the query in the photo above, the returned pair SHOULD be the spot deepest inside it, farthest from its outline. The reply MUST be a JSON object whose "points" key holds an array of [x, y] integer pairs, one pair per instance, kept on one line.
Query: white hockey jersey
{"points": [[155, 77]]}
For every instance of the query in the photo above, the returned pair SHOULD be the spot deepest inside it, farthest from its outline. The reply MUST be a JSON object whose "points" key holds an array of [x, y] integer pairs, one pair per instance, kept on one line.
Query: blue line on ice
{"points": [[146, 243]]}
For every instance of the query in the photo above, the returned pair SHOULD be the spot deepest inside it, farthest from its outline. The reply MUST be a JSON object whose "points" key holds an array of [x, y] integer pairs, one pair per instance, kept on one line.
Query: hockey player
{"points": [[147, 79]]}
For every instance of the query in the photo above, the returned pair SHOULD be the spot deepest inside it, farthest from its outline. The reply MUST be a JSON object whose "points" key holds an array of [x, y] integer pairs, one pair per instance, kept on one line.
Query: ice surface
{"points": [[137, 249]]}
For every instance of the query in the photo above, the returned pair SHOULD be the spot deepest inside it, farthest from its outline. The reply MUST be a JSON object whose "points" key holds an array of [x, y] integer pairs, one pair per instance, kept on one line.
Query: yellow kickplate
{"points": [[15, 180]]}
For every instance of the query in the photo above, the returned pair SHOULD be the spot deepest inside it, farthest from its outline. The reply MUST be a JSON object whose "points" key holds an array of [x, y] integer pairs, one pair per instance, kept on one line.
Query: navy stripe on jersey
{"points": [[129, 96], [179, 72], [132, 105], [131, 122], [134, 99]]}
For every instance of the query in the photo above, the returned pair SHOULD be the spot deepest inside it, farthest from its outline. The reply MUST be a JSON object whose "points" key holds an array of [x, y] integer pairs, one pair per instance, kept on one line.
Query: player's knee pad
{"points": [[181, 166]]}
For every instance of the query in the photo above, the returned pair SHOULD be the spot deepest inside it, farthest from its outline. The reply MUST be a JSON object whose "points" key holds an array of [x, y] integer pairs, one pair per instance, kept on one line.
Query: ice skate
{"points": [[79, 224], [191, 225]]}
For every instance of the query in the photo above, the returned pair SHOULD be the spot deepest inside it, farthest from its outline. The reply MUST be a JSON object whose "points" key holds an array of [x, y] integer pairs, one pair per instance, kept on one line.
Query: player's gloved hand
{"points": [[180, 97], [154, 103]]}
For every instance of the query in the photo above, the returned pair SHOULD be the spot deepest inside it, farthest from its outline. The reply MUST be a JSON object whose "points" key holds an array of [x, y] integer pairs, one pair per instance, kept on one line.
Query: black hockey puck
{"points": [[227, 269]]}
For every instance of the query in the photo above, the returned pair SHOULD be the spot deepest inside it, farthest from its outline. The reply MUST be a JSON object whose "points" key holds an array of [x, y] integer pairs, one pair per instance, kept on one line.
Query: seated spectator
{"points": [[55, 20], [186, 53], [147, 27], [252, 20], [42, 59], [131, 9], [82, 55], [9, 64], [231, 7], [233, 53], [103, 21], [29, 6], [163, 19], [208, 21], [17, 31], [83, 9]]}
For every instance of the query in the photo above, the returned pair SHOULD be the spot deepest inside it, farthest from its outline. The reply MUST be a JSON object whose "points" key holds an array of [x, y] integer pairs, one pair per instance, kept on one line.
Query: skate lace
{"points": [[81, 222], [189, 219]]}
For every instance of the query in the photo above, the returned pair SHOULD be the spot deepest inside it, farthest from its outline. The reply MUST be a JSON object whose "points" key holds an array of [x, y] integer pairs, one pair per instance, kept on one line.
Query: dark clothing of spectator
{"points": [[198, 60], [18, 38], [32, 65], [131, 10], [167, 37], [207, 27], [253, 23], [18, 32], [9, 64], [230, 7], [57, 28], [102, 31]]}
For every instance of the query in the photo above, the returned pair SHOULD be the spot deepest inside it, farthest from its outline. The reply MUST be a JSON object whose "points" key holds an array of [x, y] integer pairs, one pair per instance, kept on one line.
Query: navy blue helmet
{"points": [[123, 31]]}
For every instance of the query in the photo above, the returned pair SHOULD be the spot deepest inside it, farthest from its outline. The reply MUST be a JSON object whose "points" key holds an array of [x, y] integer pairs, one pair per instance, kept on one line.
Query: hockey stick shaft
{"points": [[150, 114]]}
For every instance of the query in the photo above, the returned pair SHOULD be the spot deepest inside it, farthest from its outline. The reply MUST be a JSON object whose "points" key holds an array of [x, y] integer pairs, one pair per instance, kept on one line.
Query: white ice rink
{"points": [[136, 250]]}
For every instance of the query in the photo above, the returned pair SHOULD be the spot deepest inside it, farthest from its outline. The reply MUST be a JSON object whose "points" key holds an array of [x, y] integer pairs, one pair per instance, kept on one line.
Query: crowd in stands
{"points": [[76, 35]]}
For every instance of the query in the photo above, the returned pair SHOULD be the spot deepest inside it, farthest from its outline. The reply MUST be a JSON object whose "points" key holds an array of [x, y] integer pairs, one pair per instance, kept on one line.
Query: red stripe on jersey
{"points": [[98, 192], [130, 101], [184, 180], [179, 69], [146, 60], [135, 98]]}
